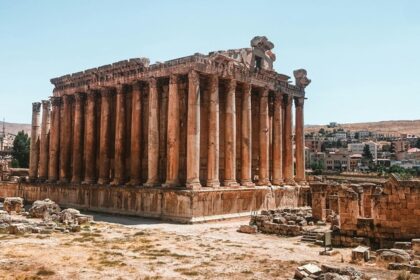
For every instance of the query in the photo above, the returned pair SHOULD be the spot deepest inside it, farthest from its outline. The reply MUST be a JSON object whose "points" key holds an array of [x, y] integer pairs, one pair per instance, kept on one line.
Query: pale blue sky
{"points": [[363, 56]]}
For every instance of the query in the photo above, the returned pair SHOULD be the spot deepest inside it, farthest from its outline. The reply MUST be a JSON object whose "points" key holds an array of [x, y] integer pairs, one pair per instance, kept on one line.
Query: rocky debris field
{"points": [[117, 247], [44, 217]]}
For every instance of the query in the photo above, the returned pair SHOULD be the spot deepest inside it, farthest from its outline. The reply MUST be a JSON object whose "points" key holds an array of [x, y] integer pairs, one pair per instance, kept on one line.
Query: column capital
{"points": [[36, 107], [152, 82], [106, 92], [193, 76], [299, 101], [55, 101], [231, 85], [287, 99], [121, 88], [173, 79], [46, 104], [80, 96], [136, 86], [264, 91], [67, 99]]}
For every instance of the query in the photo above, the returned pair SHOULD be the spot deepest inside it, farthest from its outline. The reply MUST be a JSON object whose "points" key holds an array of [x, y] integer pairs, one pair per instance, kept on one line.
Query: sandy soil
{"points": [[134, 248]]}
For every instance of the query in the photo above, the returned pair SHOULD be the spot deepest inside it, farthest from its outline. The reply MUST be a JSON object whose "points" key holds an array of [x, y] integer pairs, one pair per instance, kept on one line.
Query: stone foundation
{"points": [[185, 206]]}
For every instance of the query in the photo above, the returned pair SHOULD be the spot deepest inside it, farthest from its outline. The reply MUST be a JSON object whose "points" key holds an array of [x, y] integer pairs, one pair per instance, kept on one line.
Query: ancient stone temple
{"points": [[218, 123]]}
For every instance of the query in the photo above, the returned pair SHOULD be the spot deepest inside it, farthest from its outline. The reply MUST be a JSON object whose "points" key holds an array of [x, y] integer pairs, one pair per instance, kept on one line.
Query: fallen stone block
{"points": [[415, 243], [360, 253], [392, 256], [44, 209], [19, 229], [402, 245], [13, 204], [83, 219], [248, 229]]}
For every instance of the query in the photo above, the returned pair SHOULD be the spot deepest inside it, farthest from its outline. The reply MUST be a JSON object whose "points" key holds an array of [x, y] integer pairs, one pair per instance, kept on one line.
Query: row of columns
{"points": [[51, 149]]}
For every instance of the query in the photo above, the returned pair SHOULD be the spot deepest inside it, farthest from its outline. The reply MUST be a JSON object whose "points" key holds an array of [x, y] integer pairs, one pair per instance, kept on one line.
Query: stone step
{"points": [[312, 240]]}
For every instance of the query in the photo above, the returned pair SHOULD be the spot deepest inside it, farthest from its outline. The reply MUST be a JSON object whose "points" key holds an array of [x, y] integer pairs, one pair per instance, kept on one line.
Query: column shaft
{"points": [[230, 136], [213, 134], [288, 143], [120, 133], [105, 137], [173, 139], [264, 137], [90, 145], [153, 136], [35, 135], [135, 158], [246, 149], [54, 145], [277, 140], [65, 140], [45, 134], [78, 138], [193, 131], [299, 140]]}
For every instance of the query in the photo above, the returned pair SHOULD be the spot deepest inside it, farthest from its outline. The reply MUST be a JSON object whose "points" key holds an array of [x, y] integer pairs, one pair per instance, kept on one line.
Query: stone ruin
{"points": [[287, 221], [44, 217]]}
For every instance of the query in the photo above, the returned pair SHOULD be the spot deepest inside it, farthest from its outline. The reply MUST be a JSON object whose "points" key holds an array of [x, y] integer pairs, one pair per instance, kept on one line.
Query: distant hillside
{"points": [[397, 127], [14, 128]]}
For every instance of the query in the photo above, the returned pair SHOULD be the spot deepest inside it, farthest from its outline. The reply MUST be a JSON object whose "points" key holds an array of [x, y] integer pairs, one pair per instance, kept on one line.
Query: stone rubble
{"points": [[53, 219], [287, 221], [327, 272], [13, 204]]}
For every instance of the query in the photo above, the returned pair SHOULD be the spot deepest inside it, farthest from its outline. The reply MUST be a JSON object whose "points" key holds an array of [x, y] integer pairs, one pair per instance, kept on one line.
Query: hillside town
{"points": [[336, 150]]}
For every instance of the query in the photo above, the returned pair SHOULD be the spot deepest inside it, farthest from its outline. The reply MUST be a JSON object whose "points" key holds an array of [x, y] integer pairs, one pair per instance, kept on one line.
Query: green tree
{"points": [[418, 143], [20, 151], [367, 153]]}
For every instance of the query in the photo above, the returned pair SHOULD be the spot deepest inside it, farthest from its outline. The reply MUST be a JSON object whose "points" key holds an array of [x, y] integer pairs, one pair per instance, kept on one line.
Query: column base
{"points": [[171, 184], [277, 182], [231, 183], [41, 179], [291, 182], [247, 183], [102, 181], [76, 181], [88, 182], [52, 180], [117, 182], [193, 185], [264, 182], [134, 183], [151, 184], [63, 181], [213, 184]]}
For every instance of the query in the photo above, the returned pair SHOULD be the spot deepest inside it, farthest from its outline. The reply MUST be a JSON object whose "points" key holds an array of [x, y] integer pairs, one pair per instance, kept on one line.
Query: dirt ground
{"points": [[118, 247]]}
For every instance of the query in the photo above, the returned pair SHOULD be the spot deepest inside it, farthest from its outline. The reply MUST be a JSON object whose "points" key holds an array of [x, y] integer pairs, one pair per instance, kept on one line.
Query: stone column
{"points": [[35, 135], [90, 145], [65, 140], [193, 131], [120, 133], [277, 140], [78, 138], [135, 157], [230, 136], [105, 137], [45, 134], [153, 136], [173, 139], [246, 149], [287, 141], [54, 146], [213, 134], [299, 140], [264, 137]]}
